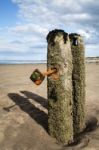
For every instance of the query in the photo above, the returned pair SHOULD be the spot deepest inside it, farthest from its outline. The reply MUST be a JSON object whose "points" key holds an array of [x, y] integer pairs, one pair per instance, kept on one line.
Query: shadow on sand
{"points": [[41, 117], [25, 105], [82, 139], [36, 97]]}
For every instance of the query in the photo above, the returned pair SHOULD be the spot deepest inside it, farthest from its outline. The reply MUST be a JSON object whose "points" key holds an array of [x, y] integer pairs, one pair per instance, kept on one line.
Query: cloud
{"points": [[92, 50], [23, 38], [93, 47], [38, 17], [85, 33], [73, 16], [29, 28], [49, 14], [12, 46]]}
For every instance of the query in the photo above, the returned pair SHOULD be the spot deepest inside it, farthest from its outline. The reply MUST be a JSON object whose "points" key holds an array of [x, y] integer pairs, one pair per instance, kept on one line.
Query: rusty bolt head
{"points": [[37, 77]]}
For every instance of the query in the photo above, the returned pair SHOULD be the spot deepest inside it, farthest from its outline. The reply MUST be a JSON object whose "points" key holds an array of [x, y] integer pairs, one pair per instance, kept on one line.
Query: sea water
{"points": [[22, 62]]}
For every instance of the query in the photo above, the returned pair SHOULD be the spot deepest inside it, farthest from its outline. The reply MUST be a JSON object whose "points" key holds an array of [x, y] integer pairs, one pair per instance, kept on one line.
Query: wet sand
{"points": [[24, 125]]}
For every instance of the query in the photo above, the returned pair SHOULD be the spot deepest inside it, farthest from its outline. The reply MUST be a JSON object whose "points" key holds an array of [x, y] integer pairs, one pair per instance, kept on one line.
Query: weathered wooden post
{"points": [[78, 79], [60, 121]]}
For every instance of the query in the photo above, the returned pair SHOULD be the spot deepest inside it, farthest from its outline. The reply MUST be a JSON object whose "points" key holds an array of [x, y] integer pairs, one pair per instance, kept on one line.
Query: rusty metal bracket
{"points": [[37, 77]]}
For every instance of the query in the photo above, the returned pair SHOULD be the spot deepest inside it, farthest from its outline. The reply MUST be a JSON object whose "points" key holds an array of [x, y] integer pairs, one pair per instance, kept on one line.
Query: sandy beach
{"points": [[24, 125]]}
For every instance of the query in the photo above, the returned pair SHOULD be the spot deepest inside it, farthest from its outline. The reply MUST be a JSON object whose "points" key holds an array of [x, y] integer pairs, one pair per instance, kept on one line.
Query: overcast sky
{"points": [[24, 25]]}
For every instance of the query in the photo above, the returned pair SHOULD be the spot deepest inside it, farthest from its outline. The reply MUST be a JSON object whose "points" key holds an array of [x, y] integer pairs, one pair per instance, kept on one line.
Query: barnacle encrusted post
{"points": [[60, 121], [78, 79]]}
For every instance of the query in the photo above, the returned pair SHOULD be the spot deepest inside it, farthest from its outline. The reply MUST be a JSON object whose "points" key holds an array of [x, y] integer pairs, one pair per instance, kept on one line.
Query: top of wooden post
{"points": [[75, 38], [71, 35], [52, 34]]}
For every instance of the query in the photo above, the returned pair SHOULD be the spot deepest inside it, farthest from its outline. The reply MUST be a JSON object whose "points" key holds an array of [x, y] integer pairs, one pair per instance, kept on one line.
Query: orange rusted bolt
{"points": [[37, 77], [49, 72]]}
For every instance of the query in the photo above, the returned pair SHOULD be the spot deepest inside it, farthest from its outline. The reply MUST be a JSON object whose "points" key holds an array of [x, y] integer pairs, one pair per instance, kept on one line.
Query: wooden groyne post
{"points": [[78, 80], [59, 57]]}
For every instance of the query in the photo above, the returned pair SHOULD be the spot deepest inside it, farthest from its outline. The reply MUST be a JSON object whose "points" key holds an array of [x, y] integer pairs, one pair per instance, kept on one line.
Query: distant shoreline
{"points": [[18, 62], [30, 62], [22, 64], [92, 59]]}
